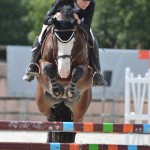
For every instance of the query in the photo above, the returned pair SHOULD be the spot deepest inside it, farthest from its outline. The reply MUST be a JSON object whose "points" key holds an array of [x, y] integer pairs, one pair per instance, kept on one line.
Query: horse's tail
{"points": [[61, 112]]}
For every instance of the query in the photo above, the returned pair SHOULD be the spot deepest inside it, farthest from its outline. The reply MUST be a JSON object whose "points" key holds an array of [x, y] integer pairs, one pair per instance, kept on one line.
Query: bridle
{"points": [[56, 36], [55, 32], [73, 35]]}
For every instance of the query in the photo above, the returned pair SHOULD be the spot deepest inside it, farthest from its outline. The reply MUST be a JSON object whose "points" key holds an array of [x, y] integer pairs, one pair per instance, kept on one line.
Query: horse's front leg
{"points": [[73, 92], [57, 90]]}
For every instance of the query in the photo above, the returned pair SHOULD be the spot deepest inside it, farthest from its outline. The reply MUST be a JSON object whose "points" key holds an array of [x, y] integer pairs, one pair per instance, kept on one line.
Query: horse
{"points": [[65, 79]]}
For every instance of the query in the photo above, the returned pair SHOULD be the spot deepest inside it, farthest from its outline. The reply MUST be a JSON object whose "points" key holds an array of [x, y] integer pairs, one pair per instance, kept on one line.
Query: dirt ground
{"points": [[81, 138]]}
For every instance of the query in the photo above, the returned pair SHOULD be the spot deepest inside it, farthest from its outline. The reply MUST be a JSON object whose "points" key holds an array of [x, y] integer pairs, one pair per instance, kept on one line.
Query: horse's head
{"points": [[64, 30]]}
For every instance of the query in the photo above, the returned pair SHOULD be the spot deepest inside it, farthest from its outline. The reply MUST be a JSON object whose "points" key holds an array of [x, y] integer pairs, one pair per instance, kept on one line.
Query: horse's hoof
{"points": [[73, 96], [74, 99], [69, 94], [58, 92]]}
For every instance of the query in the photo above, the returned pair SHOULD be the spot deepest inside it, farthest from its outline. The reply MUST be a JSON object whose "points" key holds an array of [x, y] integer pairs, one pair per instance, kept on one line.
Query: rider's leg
{"points": [[98, 79], [33, 68]]}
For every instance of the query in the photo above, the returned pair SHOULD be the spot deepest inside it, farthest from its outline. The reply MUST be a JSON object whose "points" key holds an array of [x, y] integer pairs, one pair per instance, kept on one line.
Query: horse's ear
{"points": [[56, 22], [71, 12]]}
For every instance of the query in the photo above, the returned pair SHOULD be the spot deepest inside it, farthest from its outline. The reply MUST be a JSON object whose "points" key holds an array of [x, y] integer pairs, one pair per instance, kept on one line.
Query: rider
{"points": [[84, 10]]}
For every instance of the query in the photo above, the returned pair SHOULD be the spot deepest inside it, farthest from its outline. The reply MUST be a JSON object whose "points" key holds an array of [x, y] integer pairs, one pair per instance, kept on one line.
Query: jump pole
{"points": [[72, 127], [62, 146], [75, 127]]}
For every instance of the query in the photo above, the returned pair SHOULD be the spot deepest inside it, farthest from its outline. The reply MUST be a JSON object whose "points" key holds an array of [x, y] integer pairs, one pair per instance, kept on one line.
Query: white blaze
{"points": [[64, 63]]}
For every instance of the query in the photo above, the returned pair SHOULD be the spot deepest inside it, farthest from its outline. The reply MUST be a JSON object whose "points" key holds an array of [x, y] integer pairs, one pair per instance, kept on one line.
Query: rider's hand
{"points": [[77, 18], [57, 15]]}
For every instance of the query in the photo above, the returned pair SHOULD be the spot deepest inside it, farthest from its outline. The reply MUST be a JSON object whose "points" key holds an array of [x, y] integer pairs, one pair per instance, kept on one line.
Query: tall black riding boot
{"points": [[33, 68], [98, 79]]}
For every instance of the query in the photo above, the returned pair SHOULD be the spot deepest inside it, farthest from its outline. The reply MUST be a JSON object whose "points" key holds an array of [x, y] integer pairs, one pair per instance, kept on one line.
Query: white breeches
{"points": [[42, 31]]}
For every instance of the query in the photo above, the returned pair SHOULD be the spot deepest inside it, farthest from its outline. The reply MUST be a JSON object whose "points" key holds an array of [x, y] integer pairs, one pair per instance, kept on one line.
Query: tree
{"points": [[122, 24], [116, 23], [37, 10], [13, 26]]}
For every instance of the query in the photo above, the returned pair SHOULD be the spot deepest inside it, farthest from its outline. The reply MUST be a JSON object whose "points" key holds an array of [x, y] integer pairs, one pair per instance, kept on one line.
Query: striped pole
{"points": [[75, 127], [62, 146]]}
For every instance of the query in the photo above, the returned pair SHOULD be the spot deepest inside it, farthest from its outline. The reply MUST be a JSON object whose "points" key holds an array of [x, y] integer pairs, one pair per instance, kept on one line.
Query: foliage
{"points": [[13, 26], [122, 24], [37, 10], [116, 23]]}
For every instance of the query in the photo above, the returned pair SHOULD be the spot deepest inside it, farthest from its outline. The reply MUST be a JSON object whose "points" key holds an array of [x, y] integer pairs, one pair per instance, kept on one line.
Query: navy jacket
{"points": [[85, 15]]}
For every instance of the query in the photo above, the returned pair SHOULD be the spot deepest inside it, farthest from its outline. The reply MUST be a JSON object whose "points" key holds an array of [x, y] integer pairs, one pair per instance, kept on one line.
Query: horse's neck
{"points": [[49, 45]]}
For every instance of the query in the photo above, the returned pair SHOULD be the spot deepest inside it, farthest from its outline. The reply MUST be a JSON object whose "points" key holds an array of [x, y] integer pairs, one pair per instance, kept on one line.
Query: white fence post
{"points": [[127, 94], [149, 95], [137, 89]]}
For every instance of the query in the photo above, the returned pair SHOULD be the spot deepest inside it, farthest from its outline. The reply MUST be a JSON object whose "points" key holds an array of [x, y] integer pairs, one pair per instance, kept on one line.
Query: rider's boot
{"points": [[33, 68], [98, 79]]}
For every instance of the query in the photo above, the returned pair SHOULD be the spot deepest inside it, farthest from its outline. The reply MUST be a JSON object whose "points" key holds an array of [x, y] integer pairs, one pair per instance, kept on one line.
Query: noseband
{"points": [[56, 31]]}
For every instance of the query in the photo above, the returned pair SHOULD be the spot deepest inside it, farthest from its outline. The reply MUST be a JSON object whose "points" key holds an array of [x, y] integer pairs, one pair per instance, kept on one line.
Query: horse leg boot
{"points": [[72, 92], [33, 68], [98, 79], [51, 71]]}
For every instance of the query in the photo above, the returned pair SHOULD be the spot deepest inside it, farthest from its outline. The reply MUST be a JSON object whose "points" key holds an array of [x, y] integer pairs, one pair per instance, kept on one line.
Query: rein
{"points": [[82, 51]]}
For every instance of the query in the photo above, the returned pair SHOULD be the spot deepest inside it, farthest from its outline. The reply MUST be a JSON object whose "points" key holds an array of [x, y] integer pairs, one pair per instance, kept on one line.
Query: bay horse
{"points": [[65, 79]]}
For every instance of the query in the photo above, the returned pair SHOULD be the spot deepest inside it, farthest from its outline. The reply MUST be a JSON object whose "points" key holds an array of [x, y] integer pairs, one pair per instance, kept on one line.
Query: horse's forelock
{"points": [[67, 10]]}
